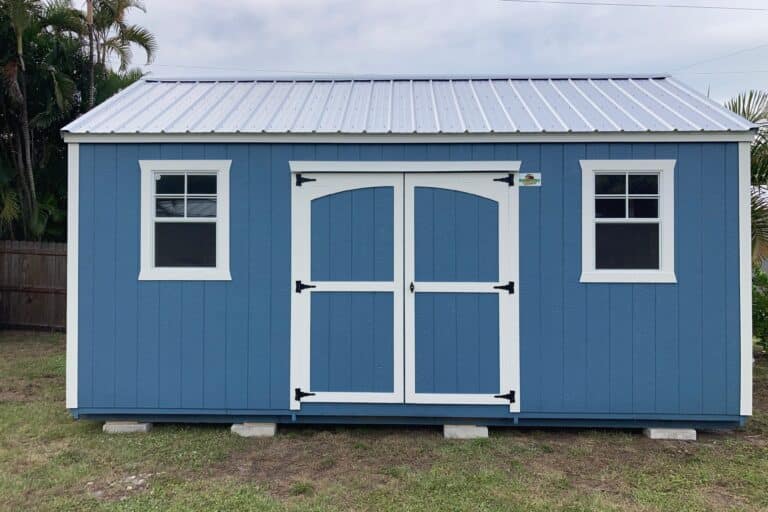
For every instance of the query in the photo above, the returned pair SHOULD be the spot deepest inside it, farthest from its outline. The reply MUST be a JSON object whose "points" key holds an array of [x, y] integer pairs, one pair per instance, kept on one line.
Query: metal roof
{"points": [[408, 105]]}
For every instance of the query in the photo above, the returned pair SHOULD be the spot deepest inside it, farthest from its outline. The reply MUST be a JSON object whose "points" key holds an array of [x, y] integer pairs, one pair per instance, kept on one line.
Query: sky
{"points": [[236, 38]]}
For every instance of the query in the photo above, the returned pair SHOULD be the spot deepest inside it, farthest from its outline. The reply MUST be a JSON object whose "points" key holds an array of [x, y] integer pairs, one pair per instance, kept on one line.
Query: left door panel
{"points": [[347, 276]]}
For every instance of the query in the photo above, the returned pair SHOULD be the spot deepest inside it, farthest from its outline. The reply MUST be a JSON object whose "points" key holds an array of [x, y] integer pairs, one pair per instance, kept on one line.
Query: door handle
{"points": [[412, 288]]}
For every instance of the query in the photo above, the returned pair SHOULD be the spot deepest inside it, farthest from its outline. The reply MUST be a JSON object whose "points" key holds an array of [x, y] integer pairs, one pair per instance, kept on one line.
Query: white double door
{"points": [[403, 289]]}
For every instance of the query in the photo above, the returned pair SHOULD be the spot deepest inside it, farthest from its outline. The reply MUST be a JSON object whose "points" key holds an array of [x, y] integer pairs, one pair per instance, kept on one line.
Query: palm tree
{"points": [[114, 37], [36, 92], [753, 106]]}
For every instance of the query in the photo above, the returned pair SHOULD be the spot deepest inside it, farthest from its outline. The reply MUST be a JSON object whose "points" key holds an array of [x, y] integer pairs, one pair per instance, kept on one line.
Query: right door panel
{"points": [[460, 245]]}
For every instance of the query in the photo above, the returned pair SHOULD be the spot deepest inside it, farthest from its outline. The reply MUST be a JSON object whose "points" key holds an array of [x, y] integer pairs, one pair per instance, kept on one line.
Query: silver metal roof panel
{"points": [[414, 104]]}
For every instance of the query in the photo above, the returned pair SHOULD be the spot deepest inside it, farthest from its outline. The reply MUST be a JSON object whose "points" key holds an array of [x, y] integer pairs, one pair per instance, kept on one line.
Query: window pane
{"points": [[201, 207], [643, 184], [627, 246], [185, 244], [201, 184], [610, 208], [610, 184], [169, 183], [644, 208], [169, 207]]}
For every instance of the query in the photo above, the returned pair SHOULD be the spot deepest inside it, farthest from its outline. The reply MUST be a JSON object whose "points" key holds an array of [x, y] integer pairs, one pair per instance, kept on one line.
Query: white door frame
{"points": [[483, 185], [301, 257]]}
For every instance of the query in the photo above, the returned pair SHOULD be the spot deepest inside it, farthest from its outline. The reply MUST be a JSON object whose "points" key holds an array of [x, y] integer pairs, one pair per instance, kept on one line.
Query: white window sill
{"points": [[628, 276], [185, 274]]}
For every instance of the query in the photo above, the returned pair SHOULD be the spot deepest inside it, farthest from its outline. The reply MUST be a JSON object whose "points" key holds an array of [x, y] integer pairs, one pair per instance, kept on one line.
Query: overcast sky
{"points": [[255, 37]]}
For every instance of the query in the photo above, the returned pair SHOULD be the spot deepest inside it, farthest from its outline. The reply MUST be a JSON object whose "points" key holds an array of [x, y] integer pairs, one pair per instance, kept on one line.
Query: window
{"points": [[628, 221], [185, 220]]}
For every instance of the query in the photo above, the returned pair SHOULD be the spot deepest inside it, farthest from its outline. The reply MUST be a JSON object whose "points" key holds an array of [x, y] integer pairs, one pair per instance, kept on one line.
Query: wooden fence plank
{"points": [[33, 284]]}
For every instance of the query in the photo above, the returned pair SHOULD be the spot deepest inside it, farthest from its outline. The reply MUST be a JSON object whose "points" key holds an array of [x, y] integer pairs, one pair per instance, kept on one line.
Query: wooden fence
{"points": [[33, 285]]}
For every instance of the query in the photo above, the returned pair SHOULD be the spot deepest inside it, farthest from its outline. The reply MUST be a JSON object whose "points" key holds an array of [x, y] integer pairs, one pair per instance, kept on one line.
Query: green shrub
{"points": [[760, 308]]}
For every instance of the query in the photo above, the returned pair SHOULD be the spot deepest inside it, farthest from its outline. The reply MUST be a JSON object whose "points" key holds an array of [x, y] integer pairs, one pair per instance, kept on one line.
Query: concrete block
{"points": [[126, 427], [255, 429], [464, 432], [671, 434]]}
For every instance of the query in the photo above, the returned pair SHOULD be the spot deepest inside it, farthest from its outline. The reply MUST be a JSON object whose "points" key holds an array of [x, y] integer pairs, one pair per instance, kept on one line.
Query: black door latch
{"points": [[507, 396], [301, 286], [510, 287]]}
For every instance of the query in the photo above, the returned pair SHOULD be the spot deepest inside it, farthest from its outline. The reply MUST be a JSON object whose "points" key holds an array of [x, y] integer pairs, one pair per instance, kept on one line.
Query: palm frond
{"points": [[10, 210], [141, 37], [759, 199], [751, 105], [60, 16]]}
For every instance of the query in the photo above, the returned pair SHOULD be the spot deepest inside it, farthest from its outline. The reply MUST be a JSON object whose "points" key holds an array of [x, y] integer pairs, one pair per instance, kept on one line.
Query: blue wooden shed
{"points": [[491, 250]]}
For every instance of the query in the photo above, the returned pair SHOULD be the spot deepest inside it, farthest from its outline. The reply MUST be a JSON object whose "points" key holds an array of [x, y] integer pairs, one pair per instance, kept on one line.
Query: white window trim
{"points": [[666, 272], [148, 271]]}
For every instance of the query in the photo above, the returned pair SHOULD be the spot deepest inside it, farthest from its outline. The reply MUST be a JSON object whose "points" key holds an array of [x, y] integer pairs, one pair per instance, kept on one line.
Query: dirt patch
{"points": [[367, 458], [119, 489]]}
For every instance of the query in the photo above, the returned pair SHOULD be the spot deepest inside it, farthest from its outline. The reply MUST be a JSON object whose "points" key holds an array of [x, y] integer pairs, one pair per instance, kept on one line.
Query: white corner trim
{"points": [[306, 166], [745, 277], [73, 211], [148, 272], [666, 272]]}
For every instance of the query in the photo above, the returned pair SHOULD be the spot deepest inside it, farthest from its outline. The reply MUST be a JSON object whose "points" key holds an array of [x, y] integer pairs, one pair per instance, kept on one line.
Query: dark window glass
{"points": [[169, 184], [610, 208], [610, 184], [185, 244], [627, 246], [169, 207], [644, 208], [643, 184], [201, 207], [201, 184]]}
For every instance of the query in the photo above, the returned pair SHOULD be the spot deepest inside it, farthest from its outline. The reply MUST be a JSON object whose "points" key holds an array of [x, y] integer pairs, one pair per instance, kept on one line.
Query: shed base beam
{"points": [[671, 434], [126, 427], [255, 429], [464, 432]]}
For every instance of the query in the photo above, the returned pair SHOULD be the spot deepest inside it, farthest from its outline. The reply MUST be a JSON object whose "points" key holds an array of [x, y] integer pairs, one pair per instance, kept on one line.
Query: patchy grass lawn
{"points": [[50, 462]]}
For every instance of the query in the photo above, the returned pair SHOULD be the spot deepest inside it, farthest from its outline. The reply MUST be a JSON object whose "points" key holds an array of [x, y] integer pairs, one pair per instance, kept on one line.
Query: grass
{"points": [[50, 462]]}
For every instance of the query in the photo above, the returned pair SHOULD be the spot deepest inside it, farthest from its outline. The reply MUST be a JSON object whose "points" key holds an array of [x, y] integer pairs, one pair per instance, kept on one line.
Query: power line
{"points": [[620, 4], [712, 59]]}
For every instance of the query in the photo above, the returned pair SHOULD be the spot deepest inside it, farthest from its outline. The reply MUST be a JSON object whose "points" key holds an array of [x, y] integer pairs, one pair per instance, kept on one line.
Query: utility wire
{"points": [[712, 59], [620, 4]]}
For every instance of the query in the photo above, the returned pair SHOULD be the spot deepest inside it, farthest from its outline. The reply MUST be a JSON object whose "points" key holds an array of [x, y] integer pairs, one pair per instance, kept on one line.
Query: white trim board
{"points": [[408, 138], [745, 278], [73, 219], [308, 166]]}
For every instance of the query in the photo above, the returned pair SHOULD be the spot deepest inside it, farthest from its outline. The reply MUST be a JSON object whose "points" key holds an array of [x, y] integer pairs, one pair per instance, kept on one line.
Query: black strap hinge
{"points": [[301, 179], [298, 394], [510, 287], [301, 286], [509, 179], [508, 396]]}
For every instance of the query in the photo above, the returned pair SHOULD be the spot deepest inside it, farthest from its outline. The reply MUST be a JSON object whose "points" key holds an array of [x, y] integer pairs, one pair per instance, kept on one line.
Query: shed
{"points": [[493, 250]]}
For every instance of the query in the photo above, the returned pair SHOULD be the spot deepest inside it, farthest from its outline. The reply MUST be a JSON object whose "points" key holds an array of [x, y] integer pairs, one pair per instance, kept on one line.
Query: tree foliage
{"points": [[753, 106], [44, 84]]}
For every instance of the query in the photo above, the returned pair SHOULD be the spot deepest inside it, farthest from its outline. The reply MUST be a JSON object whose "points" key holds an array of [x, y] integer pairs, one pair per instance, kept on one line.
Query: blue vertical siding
{"points": [[585, 349]]}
